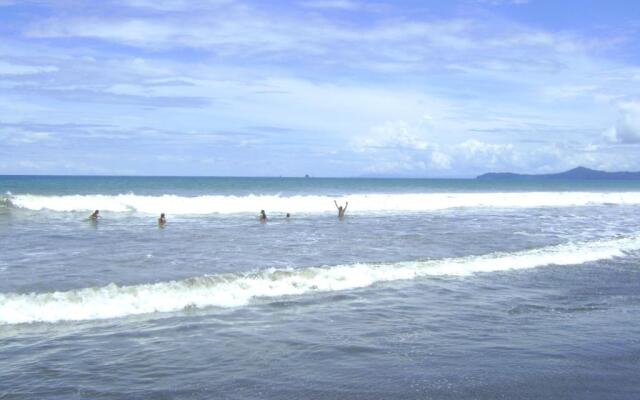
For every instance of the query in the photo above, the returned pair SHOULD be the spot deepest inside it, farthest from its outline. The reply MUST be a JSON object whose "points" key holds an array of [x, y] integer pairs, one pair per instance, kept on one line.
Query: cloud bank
{"points": [[326, 87]]}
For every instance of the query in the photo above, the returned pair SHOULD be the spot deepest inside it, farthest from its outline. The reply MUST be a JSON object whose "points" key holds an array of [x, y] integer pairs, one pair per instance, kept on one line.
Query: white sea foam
{"points": [[233, 290], [400, 202]]}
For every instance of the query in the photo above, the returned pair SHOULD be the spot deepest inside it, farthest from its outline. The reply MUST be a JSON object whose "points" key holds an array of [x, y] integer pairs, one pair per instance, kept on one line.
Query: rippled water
{"points": [[427, 289]]}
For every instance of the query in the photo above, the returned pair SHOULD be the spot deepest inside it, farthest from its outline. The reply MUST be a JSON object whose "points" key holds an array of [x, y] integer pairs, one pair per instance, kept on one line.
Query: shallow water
{"points": [[424, 290]]}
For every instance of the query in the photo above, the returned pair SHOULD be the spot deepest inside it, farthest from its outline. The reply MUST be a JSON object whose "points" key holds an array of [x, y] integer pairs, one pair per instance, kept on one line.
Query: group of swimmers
{"points": [[162, 220]]}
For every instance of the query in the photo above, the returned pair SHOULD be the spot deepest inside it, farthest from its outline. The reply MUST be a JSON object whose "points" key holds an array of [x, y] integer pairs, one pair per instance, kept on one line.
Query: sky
{"points": [[335, 88]]}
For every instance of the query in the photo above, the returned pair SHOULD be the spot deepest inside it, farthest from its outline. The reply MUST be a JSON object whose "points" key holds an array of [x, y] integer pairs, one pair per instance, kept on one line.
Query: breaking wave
{"points": [[239, 289], [373, 202]]}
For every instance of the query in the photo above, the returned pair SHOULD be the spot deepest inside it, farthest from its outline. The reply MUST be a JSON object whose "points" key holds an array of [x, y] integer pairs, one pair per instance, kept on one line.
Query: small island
{"points": [[579, 173]]}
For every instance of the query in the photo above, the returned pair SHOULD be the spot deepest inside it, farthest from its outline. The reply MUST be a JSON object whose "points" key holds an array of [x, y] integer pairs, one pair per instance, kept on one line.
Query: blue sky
{"points": [[321, 87]]}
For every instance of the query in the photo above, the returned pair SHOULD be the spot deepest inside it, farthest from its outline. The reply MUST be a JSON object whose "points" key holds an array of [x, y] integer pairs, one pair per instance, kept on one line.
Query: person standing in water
{"points": [[263, 216], [94, 216], [162, 220], [341, 210]]}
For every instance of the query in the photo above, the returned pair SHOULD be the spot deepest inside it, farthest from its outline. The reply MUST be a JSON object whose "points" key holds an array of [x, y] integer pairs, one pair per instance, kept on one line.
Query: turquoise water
{"points": [[241, 186], [426, 289]]}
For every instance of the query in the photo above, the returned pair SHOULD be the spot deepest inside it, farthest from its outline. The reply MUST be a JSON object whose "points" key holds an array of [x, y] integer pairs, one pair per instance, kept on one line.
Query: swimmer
{"points": [[162, 220], [263, 216], [94, 216], [341, 210], [288, 216]]}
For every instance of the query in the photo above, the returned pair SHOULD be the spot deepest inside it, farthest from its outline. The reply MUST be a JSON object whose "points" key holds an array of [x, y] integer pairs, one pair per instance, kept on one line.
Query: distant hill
{"points": [[579, 173]]}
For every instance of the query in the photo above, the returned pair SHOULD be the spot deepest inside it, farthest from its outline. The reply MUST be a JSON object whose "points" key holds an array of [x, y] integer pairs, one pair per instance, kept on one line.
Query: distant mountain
{"points": [[579, 173]]}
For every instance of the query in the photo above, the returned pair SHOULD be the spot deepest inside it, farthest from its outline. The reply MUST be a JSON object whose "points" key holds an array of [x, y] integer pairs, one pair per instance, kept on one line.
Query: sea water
{"points": [[452, 289]]}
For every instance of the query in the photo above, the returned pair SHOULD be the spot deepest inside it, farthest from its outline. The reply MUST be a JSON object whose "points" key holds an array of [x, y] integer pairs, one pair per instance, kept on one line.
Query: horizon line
{"points": [[232, 176]]}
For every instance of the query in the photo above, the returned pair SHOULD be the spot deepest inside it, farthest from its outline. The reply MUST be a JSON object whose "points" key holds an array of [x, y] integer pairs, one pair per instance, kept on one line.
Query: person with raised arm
{"points": [[341, 210]]}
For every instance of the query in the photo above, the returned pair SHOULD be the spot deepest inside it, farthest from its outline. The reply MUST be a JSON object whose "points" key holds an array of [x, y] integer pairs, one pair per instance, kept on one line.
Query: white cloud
{"points": [[21, 136], [440, 160], [391, 135], [384, 44], [569, 92], [503, 2], [33, 137], [626, 129], [400, 147], [332, 4], [236, 31], [473, 148], [7, 68], [342, 109], [175, 5], [478, 155]]}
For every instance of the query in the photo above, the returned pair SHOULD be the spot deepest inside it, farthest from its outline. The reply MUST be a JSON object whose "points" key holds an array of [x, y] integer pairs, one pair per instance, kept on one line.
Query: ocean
{"points": [[427, 289]]}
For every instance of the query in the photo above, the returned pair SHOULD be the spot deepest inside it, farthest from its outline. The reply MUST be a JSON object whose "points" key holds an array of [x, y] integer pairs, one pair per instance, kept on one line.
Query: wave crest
{"points": [[233, 290], [372, 202]]}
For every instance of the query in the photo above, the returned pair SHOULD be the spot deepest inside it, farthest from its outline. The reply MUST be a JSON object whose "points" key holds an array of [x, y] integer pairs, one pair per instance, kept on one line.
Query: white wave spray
{"points": [[370, 202], [233, 290]]}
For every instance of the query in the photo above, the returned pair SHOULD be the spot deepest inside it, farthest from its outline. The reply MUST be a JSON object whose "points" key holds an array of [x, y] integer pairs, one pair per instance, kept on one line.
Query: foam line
{"points": [[234, 290], [366, 203]]}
